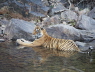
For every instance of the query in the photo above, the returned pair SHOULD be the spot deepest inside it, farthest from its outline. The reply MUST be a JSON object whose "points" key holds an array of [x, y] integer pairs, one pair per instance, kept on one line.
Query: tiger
{"points": [[47, 41]]}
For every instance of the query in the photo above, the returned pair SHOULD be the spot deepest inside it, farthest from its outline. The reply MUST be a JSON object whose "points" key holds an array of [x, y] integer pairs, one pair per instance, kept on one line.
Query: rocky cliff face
{"points": [[27, 9]]}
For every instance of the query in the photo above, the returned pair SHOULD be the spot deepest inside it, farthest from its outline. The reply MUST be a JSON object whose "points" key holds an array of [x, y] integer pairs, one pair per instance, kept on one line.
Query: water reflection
{"points": [[45, 53], [25, 59]]}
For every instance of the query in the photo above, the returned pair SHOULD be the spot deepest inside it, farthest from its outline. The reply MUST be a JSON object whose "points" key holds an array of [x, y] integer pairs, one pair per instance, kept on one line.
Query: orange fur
{"points": [[49, 42]]}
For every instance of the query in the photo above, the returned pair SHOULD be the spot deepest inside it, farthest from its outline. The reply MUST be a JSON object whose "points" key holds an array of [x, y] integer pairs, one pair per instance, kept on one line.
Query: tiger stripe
{"points": [[60, 44]]}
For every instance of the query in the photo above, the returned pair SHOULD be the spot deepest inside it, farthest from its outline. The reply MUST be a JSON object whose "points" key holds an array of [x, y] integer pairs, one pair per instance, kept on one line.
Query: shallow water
{"points": [[25, 59]]}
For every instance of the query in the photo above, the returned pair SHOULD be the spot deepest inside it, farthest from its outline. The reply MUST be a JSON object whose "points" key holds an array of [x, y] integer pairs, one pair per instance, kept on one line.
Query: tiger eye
{"points": [[42, 28]]}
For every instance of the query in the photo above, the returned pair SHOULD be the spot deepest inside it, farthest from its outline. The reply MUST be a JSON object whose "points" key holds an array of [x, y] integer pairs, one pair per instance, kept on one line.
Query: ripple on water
{"points": [[25, 59]]}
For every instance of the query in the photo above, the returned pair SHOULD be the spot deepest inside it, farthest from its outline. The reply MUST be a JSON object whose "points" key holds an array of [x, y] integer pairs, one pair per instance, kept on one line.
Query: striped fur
{"points": [[49, 42]]}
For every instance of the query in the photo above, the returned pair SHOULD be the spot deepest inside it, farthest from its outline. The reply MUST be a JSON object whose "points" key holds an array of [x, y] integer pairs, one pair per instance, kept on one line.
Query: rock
{"points": [[4, 10], [22, 29], [3, 24], [55, 19], [58, 8], [91, 44], [85, 23], [84, 11], [2, 40], [46, 22], [45, 2], [92, 13], [26, 9], [63, 32], [82, 46], [68, 32], [19, 29], [69, 15], [85, 46], [87, 35], [2, 28], [50, 21], [4, 21]]}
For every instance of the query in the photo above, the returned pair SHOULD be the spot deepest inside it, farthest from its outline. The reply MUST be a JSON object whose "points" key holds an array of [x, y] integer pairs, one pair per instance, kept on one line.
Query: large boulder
{"points": [[85, 23], [63, 32], [24, 9], [17, 28], [68, 32]]}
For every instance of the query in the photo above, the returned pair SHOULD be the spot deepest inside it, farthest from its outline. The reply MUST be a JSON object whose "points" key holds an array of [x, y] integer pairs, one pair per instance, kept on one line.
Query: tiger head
{"points": [[38, 32]]}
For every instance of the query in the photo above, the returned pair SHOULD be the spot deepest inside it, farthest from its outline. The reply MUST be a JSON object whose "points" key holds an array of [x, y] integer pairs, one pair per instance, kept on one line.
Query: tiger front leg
{"points": [[29, 43], [23, 42]]}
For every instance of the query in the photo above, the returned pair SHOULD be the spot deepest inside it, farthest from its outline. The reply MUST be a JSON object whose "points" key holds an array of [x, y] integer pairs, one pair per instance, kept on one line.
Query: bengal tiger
{"points": [[49, 42]]}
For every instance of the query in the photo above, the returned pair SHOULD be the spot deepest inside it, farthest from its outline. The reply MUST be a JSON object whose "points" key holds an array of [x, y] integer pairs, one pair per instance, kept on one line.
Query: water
{"points": [[26, 59]]}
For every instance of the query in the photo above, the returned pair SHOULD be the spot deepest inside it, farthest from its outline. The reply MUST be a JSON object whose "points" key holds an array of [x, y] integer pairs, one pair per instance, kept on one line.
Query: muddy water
{"points": [[26, 59]]}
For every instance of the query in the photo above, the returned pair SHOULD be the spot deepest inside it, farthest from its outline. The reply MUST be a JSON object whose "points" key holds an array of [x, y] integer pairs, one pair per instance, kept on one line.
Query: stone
{"points": [[68, 32], [46, 22], [4, 10], [18, 28], [84, 11], [24, 9], [63, 32], [82, 46], [92, 13], [51, 21], [55, 19], [2, 28], [2, 40], [85, 23], [58, 8], [69, 15]]}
